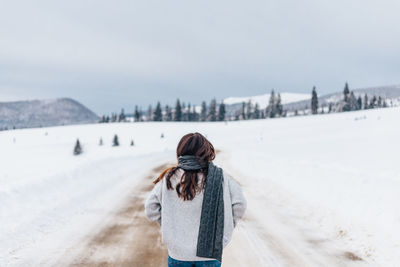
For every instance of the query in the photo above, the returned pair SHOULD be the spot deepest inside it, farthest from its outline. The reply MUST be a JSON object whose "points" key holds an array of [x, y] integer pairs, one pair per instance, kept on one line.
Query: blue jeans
{"points": [[172, 263]]}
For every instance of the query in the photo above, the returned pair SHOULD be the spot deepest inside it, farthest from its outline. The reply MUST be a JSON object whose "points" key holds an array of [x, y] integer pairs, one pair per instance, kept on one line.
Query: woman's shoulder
{"points": [[226, 175], [230, 181], [227, 178], [175, 177]]}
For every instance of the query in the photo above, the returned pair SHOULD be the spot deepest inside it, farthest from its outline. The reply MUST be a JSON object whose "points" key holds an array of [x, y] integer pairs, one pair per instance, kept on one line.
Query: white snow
{"points": [[262, 100], [329, 177]]}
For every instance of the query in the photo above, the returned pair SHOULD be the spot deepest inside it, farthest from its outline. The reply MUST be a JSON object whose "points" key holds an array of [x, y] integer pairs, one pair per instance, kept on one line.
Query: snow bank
{"points": [[338, 173]]}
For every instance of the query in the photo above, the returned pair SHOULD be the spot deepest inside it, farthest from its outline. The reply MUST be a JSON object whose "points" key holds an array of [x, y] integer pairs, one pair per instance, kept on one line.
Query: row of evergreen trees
{"points": [[211, 112], [181, 112], [251, 111], [217, 112], [349, 102]]}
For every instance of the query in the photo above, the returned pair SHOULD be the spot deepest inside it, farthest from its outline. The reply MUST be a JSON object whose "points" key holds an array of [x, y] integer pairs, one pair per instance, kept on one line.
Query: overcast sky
{"points": [[113, 54]]}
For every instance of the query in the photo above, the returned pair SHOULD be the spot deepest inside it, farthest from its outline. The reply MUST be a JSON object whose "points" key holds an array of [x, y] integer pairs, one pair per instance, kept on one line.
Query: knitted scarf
{"points": [[211, 230]]}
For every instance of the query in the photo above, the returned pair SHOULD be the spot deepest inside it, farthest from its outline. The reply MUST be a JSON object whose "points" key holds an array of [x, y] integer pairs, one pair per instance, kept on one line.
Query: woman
{"points": [[196, 204]]}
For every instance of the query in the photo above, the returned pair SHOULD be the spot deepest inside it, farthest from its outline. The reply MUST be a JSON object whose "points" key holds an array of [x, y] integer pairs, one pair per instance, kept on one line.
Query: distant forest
{"points": [[217, 111]]}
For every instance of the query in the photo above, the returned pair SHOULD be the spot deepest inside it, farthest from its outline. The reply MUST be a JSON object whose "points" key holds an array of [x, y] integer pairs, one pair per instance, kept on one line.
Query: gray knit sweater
{"points": [[180, 220]]}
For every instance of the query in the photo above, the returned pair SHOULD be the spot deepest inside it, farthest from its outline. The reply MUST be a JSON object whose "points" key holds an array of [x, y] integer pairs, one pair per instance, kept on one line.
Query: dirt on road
{"points": [[129, 239]]}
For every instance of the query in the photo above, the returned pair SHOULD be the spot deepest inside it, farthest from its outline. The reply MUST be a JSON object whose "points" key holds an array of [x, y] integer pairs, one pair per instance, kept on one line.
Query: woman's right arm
{"points": [[152, 206]]}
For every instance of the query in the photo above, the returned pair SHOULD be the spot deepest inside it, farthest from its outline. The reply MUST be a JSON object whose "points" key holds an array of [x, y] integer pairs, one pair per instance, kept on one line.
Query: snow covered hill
{"points": [[234, 104], [262, 100], [322, 190], [42, 113], [391, 93]]}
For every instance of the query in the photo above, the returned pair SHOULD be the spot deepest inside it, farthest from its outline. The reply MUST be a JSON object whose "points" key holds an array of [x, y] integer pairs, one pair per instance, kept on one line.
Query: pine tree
{"points": [[314, 101], [221, 112], [212, 111], [103, 119], [136, 114], [346, 101], [278, 105], [178, 111], [77, 148], [168, 113], [380, 102], [365, 103], [262, 113], [237, 116], [249, 110], [243, 111], [183, 108], [157, 116], [114, 117], [115, 141], [203, 113], [189, 112], [271, 108], [352, 101], [359, 103], [372, 103], [121, 116], [346, 91], [256, 111], [195, 115]]}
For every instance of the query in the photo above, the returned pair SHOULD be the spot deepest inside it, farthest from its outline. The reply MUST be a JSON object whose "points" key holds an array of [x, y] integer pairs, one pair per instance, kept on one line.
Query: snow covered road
{"points": [[322, 190], [126, 238]]}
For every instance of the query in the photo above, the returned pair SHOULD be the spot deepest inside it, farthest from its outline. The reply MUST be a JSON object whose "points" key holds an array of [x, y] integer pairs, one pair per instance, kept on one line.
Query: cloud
{"points": [[150, 50]]}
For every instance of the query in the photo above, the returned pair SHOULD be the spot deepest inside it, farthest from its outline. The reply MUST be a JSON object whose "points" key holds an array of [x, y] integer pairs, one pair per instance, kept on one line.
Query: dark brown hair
{"points": [[194, 144]]}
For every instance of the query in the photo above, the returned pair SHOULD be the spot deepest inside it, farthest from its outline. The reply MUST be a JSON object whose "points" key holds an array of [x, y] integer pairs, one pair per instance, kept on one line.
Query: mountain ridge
{"points": [[44, 112]]}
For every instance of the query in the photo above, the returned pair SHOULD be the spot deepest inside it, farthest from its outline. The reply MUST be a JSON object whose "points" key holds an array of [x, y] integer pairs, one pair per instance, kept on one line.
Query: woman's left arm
{"points": [[239, 203]]}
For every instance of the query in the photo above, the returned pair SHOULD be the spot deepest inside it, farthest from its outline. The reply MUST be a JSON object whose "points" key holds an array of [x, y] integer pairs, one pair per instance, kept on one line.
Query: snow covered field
{"points": [[325, 187]]}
